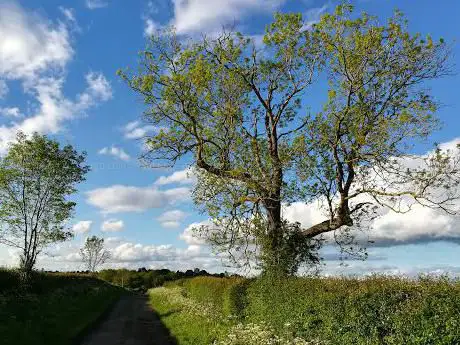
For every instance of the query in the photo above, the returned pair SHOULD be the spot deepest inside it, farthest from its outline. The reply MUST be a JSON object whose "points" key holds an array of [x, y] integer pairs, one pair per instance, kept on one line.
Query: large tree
{"points": [[93, 253], [237, 111], [37, 176]]}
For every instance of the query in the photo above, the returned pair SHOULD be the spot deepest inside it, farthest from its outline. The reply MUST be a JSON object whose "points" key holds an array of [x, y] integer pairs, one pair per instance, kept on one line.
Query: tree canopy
{"points": [[237, 112], [36, 178]]}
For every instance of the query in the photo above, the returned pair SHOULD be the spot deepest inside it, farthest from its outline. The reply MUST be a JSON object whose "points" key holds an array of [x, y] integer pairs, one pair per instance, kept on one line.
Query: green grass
{"points": [[55, 310], [191, 322], [333, 311]]}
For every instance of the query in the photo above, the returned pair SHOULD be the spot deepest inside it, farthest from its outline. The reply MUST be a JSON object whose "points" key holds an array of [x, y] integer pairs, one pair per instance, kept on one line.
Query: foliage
{"points": [[237, 113], [373, 310], [212, 290], [56, 310], [376, 310], [36, 178], [93, 253]]}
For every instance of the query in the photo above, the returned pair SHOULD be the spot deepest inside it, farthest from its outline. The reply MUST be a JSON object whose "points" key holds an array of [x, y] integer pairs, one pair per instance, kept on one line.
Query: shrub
{"points": [[235, 299], [211, 290]]}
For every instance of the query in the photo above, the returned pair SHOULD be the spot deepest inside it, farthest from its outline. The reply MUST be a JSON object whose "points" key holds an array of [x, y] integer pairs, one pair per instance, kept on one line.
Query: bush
{"points": [[9, 280], [215, 291], [235, 299]]}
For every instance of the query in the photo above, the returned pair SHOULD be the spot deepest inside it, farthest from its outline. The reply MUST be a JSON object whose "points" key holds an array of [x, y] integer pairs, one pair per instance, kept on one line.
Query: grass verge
{"points": [[56, 309]]}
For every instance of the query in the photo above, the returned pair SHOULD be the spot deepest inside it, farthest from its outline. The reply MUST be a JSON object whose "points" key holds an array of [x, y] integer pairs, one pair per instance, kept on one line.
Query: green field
{"points": [[335, 311], [54, 310]]}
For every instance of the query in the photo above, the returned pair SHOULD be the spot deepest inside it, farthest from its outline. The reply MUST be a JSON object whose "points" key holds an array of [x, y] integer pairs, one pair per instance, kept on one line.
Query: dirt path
{"points": [[131, 322]]}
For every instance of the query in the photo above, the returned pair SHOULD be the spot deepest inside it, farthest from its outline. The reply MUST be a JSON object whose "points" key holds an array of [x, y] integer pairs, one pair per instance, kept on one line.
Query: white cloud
{"points": [[30, 44], [35, 51], [135, 130], [190, 236], [82, 227], [172, 219], [420, 225], [99, 86], [182, 177], [95, 4], [150, 27], [10, 112], [313, 15], [53, 109], [116, 152], [306, 214], [127, 252], [208, 15], [65, 256], [120, 198], [3, 89], [69, 14], [112, 225]]}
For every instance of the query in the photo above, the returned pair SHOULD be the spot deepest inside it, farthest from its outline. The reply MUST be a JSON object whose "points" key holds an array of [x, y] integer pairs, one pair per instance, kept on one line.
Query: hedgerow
{"points": [[376, 310]]}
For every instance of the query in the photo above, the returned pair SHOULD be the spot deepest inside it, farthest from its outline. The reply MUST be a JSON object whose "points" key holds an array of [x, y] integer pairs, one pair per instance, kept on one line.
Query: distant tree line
{"points": [[143, 279]]}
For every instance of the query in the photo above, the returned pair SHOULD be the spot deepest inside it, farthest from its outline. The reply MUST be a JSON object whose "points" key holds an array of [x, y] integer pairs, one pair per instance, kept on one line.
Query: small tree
{"points": [[93, 253], [36, 178]]}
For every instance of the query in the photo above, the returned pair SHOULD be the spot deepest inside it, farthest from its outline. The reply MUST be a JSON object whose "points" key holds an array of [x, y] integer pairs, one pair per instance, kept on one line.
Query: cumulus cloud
{"points": [[10, 112], [36, 51], [182, 177], [112, 225], [30, 44], [190, 236], [115, 152], [191, 16], [419, 225], [98, 86], [95, 4], [121, 198], [82, 227], [54, 108], [171, 219]]}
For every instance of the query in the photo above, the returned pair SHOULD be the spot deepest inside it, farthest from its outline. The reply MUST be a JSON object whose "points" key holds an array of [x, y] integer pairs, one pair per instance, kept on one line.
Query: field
{"points": [[376, 310], [56, 308]]}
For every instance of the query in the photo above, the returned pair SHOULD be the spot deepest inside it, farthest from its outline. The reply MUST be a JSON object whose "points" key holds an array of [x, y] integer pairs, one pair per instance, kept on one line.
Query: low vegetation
{"points": [[375, 310], [54, 309]]}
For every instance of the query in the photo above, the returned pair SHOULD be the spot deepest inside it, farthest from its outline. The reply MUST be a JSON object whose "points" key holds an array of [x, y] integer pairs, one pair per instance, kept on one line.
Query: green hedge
{"points": [[215, 291], [375, 310]]}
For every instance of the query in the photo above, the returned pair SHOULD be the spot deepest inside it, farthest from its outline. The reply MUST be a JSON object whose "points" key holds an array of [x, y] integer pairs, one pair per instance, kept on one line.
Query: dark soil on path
{"points": [[131, 322]]}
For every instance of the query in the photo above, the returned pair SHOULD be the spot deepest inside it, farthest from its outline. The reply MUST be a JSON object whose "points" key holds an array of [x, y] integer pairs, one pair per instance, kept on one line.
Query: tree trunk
{"points": [[272, 253], [25, 271]]}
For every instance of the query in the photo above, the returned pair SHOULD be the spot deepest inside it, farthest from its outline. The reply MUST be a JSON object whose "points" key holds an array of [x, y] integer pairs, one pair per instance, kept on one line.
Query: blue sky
{"points": [[57, 76]]}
